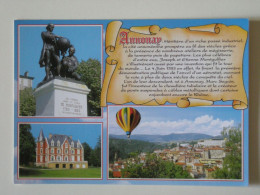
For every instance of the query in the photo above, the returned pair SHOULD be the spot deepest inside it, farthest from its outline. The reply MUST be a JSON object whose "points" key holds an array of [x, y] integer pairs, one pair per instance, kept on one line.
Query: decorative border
{"points": [[41, 178], [17, 65]]}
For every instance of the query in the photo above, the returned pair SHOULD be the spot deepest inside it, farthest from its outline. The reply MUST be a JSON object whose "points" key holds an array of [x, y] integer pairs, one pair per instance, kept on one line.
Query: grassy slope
{"points": [[64, 173]]}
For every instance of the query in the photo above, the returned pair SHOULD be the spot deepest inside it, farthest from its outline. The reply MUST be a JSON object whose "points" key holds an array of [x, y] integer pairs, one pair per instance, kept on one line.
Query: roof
{"points": [[180, 163], [41, 136], [61, 138], [198, 164], [56, 138]]}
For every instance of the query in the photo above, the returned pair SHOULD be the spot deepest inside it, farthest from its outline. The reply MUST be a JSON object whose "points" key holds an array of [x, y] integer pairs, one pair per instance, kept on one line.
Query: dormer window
{"points": [[72, 144], [52, 143], [58, 143], [78, 145]]}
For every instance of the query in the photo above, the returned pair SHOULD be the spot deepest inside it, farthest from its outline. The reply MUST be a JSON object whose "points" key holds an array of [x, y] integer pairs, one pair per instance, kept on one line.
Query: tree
{"points": [[87, 151], [95, 155], [154, 167], [26, 145], [232, 162], [27, 102], [90, 72]]}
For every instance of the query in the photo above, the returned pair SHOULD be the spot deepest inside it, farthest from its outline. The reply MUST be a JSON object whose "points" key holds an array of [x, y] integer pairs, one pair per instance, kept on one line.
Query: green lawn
{"points": [[63, 173]]}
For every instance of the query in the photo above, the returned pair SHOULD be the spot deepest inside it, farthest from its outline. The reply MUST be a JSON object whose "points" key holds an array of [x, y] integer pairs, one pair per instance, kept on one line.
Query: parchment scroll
{"points": [[192, 66]]}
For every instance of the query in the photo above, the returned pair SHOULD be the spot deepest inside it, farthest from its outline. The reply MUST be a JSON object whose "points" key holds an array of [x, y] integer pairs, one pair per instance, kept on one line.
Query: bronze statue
{"points": [[53, 45], [50, 55], [69, 65]]}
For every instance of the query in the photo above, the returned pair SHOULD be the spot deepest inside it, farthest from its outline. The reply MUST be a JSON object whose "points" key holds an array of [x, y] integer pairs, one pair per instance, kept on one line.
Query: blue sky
{"points": [[166, 120], [84, 132], [86, 39]]}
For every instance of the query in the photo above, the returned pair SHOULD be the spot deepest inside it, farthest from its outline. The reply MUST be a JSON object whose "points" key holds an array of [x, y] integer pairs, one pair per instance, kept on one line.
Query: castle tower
{"points": [[40, 149]]}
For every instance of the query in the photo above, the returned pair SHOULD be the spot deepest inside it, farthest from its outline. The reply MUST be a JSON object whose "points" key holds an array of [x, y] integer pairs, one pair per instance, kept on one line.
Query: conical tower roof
{"points": [[41, 136]]}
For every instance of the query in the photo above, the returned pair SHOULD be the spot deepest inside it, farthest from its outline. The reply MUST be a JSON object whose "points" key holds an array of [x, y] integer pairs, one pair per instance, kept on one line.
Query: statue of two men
{"points": [[53, 45]]}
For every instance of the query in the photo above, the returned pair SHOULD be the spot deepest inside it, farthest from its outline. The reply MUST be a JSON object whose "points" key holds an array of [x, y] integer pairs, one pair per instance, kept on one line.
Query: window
{"points": [[58, 151], [66, 145], [58, 143], [78, 145], [72, 151], [46, 150], [72, 144], [52, 143], [66, 158], [66, 151], [52, 150], [78, 151], [58, 158], [52, 158], [46, 158], [41, 151], [41, 144], [78, 158]]}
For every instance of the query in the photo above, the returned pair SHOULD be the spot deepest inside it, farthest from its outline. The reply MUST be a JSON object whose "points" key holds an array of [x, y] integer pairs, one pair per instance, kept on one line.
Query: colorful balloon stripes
{"points": [[128, 118]]}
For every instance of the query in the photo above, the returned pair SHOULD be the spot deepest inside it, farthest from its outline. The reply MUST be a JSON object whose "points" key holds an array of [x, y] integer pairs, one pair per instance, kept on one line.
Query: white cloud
{"points": [[203, 124], [203, 119]]}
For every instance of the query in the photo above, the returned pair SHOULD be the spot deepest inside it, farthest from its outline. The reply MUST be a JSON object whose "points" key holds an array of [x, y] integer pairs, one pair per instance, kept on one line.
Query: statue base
{"points": [[62, 97]]}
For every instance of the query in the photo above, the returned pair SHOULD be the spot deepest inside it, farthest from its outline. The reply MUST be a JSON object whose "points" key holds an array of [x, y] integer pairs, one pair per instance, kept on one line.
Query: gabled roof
{"points": [[61, 138]]}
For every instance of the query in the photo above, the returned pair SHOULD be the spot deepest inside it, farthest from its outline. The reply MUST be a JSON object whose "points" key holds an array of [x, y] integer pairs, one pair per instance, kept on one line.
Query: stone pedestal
{"points": [[62, 98]]}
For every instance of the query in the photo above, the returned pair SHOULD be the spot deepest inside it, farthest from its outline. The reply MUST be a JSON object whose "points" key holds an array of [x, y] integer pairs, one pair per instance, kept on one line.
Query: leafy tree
{"points": [[87, 151], [27, 102], [90, 72], [95, 155], [154, 167], [232, 162], [26, 145]]}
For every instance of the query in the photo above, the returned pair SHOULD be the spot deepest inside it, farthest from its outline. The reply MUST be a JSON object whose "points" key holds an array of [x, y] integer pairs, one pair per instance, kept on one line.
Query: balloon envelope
{"points": [[128, 118]]}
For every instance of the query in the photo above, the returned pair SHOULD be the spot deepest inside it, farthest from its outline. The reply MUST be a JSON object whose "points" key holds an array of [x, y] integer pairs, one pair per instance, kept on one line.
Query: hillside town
{"points": [[200, 159]]}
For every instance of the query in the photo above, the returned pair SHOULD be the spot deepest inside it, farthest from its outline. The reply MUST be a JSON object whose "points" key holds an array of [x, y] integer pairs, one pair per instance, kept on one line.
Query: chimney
{"points": [[50, 136], [26, 74]]}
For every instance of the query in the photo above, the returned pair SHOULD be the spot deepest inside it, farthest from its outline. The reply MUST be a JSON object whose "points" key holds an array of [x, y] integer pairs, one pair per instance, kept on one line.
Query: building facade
{"points": [[59, 151], [25, 81]]}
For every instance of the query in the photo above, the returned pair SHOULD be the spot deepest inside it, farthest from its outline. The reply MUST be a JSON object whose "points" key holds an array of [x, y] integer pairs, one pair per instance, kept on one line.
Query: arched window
{"points": [[72, 151], [41, 151], [58, 158], [41, 144], [52, 158], [66, 158]]}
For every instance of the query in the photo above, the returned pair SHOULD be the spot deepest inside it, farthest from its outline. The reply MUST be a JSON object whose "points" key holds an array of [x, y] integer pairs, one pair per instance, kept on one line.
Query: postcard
{"points": [[137, 102]]}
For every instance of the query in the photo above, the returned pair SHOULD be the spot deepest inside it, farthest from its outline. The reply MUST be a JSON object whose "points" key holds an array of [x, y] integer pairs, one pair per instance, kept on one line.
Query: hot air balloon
{"points": [[128, 118]]}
